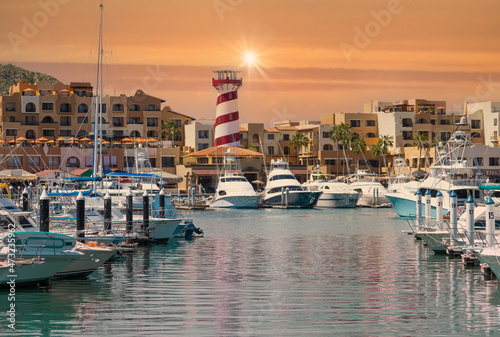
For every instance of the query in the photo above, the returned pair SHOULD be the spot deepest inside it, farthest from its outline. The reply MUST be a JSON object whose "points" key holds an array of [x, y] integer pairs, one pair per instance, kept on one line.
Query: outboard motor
{"points": [[190, 229]]}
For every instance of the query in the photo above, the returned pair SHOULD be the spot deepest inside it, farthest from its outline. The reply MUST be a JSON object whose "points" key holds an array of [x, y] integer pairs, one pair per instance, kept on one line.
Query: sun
{"points": [[250, 58]]}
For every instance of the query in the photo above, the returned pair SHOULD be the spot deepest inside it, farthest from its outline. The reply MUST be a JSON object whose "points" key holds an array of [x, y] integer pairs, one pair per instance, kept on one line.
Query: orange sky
{"points": [[314, 56]]}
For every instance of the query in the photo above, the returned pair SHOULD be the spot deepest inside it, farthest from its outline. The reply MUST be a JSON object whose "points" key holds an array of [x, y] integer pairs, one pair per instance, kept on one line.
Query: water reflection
{"points": [[275, 273]]}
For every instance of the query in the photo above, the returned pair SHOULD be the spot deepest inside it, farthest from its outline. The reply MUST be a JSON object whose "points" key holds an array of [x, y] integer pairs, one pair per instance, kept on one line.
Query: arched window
{"points": [[286, 150], [152, 134], [355, 135], [370, 135], [81, 133], [30, 107], [255, 137], [73, 162], [135, 134], [47, 119], [83, 108], [30, 134], [135, 107], [422, 121], [327, 147], [65, 107]]}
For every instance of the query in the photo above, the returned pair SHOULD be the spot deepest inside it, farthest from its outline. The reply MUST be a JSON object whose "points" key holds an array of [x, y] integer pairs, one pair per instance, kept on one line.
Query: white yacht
{"points": [[336, 194], [233, 189], [449, 172], [371, 192], [282, 188], [26, 271]]}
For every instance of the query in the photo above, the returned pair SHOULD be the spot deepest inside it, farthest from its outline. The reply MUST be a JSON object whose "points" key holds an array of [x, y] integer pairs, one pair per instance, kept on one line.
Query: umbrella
{"points": [[85, 139], [61, 139], [42, 139], [140, 140], [50, 141], [22, 138], [127, 140], [11, 142], [105, 142], [152, 140], [2, 141]]}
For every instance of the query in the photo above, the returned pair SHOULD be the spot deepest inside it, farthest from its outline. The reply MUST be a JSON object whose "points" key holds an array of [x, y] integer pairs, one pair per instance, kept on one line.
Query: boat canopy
{"points": [[84, 178], [69, 193], [489, 187]]}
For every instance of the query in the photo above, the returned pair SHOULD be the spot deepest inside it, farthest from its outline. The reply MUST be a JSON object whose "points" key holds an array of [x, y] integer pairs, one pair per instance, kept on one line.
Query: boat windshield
{"points": [[282, 176], [233, 179]]}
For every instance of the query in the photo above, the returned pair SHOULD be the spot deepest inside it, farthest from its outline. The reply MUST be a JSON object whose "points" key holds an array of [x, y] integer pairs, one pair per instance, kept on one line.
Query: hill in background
{"points": [[11, 74]]}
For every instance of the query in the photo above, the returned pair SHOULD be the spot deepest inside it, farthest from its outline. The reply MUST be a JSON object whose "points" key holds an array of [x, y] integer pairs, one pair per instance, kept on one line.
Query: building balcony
{"points": [[30, 123]]}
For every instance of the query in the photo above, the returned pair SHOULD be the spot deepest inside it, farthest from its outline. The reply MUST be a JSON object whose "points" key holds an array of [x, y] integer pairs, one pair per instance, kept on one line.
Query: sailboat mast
{"points": [[100, 97], [98, 104]]}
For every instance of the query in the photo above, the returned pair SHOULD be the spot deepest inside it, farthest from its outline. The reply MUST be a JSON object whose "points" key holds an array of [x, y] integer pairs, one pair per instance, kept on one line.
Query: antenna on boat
{"points": [[98, 112]]}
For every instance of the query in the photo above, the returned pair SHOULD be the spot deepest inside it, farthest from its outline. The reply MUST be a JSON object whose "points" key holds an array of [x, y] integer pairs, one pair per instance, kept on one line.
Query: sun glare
{"points": [[250, 59]]}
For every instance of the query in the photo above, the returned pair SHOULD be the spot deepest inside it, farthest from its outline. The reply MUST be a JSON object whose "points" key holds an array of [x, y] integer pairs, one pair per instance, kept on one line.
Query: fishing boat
{"points": [[336, 194], [371, 192], [449, 172], [233, 189], [283, 189]]}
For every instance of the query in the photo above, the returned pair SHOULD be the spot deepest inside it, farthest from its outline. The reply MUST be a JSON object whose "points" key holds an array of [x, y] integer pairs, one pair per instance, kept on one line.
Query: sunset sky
{"points": [[311, 56]]}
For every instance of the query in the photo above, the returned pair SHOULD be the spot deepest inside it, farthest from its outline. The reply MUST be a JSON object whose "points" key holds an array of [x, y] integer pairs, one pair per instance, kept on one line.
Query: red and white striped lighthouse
{"points": [[227, 125]]}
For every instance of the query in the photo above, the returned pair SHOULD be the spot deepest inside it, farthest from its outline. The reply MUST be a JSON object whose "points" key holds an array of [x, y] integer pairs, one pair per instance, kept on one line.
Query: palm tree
{"points": [[382, 149], [170, 130], [299, 140], [341, 134], [250, 147], [420, 141], [358, 146]]}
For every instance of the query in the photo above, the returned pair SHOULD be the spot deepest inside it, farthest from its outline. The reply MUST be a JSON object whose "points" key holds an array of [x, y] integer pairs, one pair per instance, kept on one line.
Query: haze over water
{"points": [[272, 272]]}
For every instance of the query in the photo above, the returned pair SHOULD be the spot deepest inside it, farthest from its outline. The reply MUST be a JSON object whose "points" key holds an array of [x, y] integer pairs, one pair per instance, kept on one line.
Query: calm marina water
{"points": [[271, 272]]}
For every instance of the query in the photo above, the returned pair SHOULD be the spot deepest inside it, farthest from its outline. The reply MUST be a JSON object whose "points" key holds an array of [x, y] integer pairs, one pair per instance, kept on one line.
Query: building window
{"points": [[475, 124], [65, 107], [286, 150], [407, 122], [494, 161], [327, 147], [30, 120], [152, 122], [135, 134], [10, 106], [255, 137], [355, 135], [329, 161], [30, 107], [444, 122], [327, 134], [33, 160], [433, 121], [270, 150], [475, 135], [47, 106], [407, 135], [11, 132], [177, 122], [53, 161], [73, 162], [270, 136], [203, 134], [65, 133], [48, 132], [152, 107], [445, 136], [152, 134], [48, 119], [134, 120], [202, 160], [202, 146], [128, 162], [83, 108], [83, 120], [15, 162], [478, 161], [370, 122], [370, 135], [30, 134], [355, 123], [65, 121], [117, 121], [118, 107], [135, 107], [286, 137], [167, 161], [495, 122]]}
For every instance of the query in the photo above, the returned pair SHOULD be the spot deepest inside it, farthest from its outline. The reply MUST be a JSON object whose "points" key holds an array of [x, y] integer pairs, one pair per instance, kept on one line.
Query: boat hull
{"points": [[408, 208], [301, 199], [434, 240], [237, 201], [490, 257], [338, 200]]}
